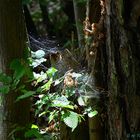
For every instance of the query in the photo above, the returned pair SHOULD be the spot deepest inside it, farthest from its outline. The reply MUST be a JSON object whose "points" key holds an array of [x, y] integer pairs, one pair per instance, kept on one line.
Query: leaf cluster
{"points": [[59, 98]]}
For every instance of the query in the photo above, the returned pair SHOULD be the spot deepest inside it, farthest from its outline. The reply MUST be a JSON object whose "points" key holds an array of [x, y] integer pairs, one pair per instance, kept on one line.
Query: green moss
{"points": [[120, 11]]}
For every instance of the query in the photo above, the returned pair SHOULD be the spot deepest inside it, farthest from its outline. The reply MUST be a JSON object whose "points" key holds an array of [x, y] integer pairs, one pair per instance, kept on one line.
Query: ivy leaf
{"points": [[71, 120], [4, 89], [51, 72], [92, 114], [26, 95], [39, 54]]}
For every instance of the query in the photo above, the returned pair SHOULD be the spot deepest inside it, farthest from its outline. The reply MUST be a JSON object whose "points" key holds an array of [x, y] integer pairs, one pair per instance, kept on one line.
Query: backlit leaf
{"points": [[39, 54], [92, 114], [47, 86], [81, 101], [51, 72], [71, 120]]}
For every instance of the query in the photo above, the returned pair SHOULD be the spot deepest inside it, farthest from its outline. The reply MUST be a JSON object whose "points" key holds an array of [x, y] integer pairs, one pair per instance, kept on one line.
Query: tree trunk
{"points": [[12, 44], [123, 46], [117, 68], [79, 12]]}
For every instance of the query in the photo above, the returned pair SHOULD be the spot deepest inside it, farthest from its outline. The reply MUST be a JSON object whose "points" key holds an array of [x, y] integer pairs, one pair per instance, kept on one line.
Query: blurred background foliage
{"points": [[52, 18]]}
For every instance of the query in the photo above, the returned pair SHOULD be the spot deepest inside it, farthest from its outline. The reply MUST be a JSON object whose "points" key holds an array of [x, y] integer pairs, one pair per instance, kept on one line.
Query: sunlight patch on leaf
{"points": [[39, 54], [37, 62], [47, 86], [71, 120], [63, 101], [92, 113], [51, 72], [81, 101], [34, 126]]}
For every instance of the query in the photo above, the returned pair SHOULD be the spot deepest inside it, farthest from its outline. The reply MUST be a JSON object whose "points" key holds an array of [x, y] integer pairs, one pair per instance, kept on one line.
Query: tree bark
{"points": [[79, 12], [123, 45], [12, 44], [117, 68]]}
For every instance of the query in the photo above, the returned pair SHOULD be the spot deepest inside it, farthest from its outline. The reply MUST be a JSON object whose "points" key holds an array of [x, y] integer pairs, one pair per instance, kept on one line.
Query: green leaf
{"points": [[57, 82], [26, 95], [19, 69], [14, 84], [51, 72], [34, 126], [47, 86], [39, 54], [40, 76], [32, 133], [64, 106], [4, 78], [62, 101], [52, 115], [37, 62], [92, 114], [4, 89], [43, 113], [71, 120], [81, 101]]}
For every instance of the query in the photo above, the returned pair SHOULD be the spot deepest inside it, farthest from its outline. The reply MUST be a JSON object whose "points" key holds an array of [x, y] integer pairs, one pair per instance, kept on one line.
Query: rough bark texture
{"points": [[117, 69], [123, 45], [12, 43]]}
